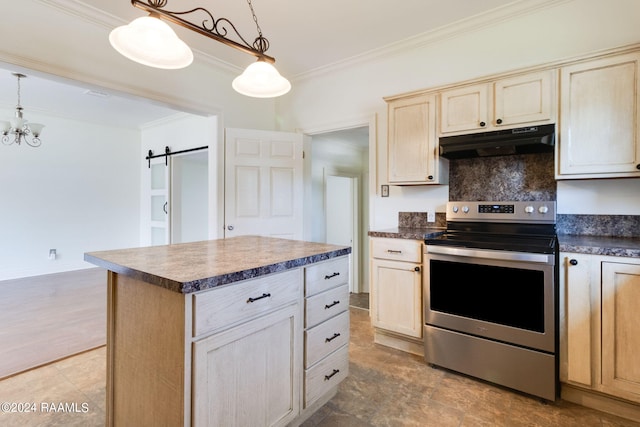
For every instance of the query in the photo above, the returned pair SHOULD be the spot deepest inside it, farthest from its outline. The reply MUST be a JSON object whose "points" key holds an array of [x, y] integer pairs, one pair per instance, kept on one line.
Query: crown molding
{"points": [[456, 29]]}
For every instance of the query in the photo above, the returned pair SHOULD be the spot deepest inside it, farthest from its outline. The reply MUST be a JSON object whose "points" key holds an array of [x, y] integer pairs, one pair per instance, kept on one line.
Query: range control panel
{"points": [[543, 212]]}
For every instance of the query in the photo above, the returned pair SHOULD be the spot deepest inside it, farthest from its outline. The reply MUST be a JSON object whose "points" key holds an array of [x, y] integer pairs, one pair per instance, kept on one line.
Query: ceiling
{"points": [[305, 37]]}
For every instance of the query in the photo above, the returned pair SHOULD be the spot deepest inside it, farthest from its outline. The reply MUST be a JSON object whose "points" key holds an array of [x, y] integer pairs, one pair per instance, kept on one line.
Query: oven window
{"points": [[507, 296]]}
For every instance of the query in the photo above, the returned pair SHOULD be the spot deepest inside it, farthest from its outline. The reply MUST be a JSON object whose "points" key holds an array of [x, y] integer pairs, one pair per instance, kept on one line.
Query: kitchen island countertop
{"points": [[600, 245], [191, 267]]}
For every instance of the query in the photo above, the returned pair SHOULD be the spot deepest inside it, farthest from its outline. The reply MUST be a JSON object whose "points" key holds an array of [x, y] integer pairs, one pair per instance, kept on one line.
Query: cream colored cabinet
{"points": [[413, 156], [600, 119], [517, 101], [396, 293], [236, 361], [600, 324], [621, 329], [326, 335], [249, 375]]}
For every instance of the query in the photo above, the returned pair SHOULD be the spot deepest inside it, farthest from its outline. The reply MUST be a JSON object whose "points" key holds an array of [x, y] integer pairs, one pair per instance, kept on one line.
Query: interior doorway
{"points": [[189, 197], [339, 188], [341, 219]]}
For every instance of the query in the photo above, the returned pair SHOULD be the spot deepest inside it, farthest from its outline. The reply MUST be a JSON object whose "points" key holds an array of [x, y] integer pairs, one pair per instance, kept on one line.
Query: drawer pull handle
{"points": [[328, 306], [331, 276], [393, 251], [250, 300], [328, 377], [336, 335]]}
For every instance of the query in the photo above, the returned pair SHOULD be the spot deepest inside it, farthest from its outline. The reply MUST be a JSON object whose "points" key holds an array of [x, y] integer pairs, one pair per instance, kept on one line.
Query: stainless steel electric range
{"points": [[491, 295]]}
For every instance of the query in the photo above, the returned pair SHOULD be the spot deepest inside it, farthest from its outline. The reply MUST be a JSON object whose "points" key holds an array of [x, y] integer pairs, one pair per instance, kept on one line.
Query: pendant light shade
{"points": [[149, 41], [261, 80]]}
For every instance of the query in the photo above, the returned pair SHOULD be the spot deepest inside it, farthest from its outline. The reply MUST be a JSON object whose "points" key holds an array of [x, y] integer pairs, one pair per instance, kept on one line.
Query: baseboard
{"points": [[601, 402], [406, 344]]}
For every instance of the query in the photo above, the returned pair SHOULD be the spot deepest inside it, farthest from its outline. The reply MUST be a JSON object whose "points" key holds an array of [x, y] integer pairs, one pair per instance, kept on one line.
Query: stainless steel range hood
{"points": [[526, 140]]}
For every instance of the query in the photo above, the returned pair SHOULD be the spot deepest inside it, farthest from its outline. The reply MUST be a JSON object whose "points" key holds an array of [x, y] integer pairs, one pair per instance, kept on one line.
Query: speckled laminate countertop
{"points": [[191, 267], [408, 233], [600, 245]]}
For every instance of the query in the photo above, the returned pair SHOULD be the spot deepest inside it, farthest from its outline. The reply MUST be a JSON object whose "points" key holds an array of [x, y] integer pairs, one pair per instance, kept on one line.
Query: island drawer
{"points": [[238, 302], [324, 375], [325, 305], [326, 338], [326, 275], [397, 249]]}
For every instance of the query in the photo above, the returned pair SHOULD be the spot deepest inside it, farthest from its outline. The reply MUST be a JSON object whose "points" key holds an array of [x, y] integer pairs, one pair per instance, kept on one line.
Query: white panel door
{"points": [[263, 183]]}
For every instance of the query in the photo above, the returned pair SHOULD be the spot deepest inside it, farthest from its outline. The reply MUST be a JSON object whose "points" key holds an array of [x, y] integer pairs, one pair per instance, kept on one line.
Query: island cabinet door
{"points": [[250, 375]]}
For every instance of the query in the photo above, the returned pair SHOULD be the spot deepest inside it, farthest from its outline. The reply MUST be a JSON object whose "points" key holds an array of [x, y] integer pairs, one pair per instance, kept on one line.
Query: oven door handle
{"points": [[490, 254]]}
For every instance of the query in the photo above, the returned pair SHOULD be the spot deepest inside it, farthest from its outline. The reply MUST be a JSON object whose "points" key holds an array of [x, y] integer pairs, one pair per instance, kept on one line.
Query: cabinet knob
{"points": [[573, 261], [482, 124], [499, 121], [638, 166], [430, 177], [416, 269]]}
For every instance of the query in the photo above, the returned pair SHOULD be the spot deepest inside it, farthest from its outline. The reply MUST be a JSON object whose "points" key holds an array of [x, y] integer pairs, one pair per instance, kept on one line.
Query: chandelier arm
{"points": [[212, 31]]}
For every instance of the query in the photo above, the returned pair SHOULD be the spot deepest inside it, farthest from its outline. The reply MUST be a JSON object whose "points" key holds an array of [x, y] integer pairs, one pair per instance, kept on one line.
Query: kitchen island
{"points": [[224, 332]]}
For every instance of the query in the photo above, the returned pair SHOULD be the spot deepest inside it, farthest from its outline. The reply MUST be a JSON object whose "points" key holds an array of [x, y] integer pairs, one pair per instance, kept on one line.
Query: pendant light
{"points": [[18, 130], [150, 41]]}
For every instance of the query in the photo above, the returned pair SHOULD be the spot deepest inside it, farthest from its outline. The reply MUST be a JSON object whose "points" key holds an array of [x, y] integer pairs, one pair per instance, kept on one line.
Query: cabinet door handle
{"points": [[482, 124], [499, 121], [250, 300], [394, 251], [336, 335], [328, 377], [573, 261], [417, 269], [331, 276], [331, 305], [638, 166]]}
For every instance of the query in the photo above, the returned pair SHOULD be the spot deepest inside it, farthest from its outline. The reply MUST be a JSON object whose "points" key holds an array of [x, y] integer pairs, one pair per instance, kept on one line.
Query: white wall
{"points": [[78, 192], [560, 30]]}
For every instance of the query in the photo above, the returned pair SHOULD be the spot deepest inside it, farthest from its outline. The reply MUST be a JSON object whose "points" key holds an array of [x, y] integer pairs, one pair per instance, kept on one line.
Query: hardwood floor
{"points": [[385, 387], [45, 318]]}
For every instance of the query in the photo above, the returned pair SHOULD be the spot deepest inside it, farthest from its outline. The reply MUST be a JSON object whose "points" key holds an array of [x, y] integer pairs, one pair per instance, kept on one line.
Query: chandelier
{"points": [[150, 41], [17, 130]]}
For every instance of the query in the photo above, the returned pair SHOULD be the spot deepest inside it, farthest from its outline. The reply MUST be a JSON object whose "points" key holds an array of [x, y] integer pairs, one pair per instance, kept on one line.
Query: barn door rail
{"points": [[168, 152]]}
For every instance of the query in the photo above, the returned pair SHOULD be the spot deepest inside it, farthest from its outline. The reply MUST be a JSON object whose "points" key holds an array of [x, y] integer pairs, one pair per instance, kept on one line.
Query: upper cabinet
{"points": [[517, 101], [600, 119], [413, 156]]}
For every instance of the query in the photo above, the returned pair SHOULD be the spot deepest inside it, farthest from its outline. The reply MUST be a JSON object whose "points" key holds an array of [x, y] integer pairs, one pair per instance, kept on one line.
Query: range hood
{"points": [[526, 140]]}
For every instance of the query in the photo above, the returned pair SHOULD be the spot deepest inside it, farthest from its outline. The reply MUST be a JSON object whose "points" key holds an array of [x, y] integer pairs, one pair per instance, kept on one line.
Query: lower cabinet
{"points": [[396, 293], [326, 336], [266, 351], [254, 363], [600, 325]]}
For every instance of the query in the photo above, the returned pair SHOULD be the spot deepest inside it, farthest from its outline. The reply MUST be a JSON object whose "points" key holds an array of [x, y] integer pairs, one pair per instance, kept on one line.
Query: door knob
{"points": [[230, 227]]}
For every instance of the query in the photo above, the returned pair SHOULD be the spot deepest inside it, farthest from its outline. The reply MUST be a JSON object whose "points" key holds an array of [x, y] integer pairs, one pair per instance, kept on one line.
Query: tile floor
{"points": [[385, 387]]}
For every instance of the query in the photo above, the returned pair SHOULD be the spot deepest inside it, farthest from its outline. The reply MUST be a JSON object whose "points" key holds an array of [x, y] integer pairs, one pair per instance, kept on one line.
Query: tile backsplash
{"points": [[599, 225], [525, 177]]}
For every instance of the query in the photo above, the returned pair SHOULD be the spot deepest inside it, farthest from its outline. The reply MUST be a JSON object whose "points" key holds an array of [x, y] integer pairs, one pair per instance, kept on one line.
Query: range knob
{"points": [[529, 209], [543, 209], [465, 209], [454, 209]]}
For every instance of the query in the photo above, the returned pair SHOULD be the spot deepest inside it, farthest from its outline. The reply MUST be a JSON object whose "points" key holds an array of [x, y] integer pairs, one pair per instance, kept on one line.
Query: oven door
{"points": [[501, 295]]}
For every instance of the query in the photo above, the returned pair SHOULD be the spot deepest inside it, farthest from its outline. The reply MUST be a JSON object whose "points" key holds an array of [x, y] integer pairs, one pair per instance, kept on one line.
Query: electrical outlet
{"points": [[431, 216]]}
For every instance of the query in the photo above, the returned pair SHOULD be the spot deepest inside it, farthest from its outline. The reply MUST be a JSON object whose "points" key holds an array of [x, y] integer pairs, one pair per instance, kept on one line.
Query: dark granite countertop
{"points": [[191, 267], [408, 232], [600, 245]]}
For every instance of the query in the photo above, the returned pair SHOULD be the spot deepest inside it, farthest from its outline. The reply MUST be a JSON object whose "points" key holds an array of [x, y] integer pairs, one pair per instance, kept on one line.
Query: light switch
{"points": [[52, 254]]}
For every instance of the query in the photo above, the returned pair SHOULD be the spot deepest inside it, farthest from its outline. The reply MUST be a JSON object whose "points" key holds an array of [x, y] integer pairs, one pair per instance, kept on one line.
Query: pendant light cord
{"points": [[260, 43]]}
